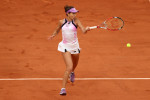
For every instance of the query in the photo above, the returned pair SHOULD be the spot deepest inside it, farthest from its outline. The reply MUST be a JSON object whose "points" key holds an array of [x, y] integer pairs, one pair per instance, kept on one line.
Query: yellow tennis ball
{"points": [[128, 45]]}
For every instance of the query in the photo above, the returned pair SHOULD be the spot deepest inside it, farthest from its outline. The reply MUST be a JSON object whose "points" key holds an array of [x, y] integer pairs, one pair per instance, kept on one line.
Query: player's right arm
{"points": [[56, 31], [84, 30]]}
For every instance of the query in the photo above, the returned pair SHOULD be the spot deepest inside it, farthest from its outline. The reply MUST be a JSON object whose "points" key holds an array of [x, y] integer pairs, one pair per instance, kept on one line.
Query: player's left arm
{"points": [[84, 30]]}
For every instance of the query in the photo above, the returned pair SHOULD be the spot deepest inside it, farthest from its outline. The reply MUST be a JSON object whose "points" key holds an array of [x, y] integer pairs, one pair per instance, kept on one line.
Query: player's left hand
{"points": [[51, 37]]}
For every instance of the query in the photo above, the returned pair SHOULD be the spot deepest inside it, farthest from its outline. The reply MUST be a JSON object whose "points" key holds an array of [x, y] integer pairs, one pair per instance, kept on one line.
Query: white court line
{"points": [[53, 79]]}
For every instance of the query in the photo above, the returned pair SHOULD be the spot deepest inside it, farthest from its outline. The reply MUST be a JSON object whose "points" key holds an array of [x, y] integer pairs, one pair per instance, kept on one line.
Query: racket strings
{"points": [[114, 23]]}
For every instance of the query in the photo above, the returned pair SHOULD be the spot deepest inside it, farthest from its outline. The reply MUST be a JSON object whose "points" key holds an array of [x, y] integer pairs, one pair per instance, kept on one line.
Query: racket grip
{"points": [[93, 27]]}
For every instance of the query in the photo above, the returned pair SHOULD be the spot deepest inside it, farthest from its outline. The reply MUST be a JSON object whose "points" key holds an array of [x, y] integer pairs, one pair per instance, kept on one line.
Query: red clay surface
{"points": [[25, 51]]}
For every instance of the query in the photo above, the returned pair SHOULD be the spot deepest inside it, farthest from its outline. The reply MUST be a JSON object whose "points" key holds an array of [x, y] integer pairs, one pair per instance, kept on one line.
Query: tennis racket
{"points": [[112, 24]]}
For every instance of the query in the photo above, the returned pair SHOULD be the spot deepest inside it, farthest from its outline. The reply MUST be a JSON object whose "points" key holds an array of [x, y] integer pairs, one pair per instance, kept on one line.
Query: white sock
{"points": [[63, 88]]}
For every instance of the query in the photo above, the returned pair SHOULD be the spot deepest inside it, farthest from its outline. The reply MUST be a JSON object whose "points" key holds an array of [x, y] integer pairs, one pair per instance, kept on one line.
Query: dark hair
{"points": [[68, 8]]}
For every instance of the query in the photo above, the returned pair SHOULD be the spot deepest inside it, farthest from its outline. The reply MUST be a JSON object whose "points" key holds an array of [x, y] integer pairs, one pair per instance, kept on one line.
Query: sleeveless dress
{"points": [[69, 38]]}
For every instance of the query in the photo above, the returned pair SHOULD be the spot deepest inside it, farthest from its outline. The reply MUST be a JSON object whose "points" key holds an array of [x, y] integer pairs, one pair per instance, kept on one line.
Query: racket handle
{"points": [[93, 27]]}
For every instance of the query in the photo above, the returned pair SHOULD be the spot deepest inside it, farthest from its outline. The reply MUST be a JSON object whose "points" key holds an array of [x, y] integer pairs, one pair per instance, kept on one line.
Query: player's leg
{"points": [[75, 59], [69, 66]]}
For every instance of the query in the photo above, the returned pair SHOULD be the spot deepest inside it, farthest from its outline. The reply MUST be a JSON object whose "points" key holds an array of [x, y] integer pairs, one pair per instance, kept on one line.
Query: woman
{"points": [[69, 45]]}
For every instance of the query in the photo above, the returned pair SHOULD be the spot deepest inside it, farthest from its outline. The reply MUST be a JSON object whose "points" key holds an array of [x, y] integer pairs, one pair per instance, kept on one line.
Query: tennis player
{"points": [[69, 46]]}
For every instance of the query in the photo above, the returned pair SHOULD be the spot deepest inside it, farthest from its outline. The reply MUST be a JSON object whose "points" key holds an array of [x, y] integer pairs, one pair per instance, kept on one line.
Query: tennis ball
{"points": [[128, 45]]}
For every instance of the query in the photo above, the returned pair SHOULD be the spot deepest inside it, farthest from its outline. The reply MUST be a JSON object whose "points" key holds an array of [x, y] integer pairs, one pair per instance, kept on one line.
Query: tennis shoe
{"points": [[63, 92], [72, 77]]}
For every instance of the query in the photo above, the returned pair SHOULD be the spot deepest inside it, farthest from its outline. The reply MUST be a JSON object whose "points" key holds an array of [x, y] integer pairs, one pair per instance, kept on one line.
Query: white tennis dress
{"points": [[69, 38]]}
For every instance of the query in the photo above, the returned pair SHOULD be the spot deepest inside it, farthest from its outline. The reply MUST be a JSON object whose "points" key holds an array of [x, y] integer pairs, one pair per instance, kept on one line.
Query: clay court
{"points": [[32, 68]]}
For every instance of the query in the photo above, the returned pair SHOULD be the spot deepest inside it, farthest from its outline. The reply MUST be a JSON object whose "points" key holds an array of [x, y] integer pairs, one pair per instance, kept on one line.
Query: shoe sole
{"points": [[63, 94]]}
